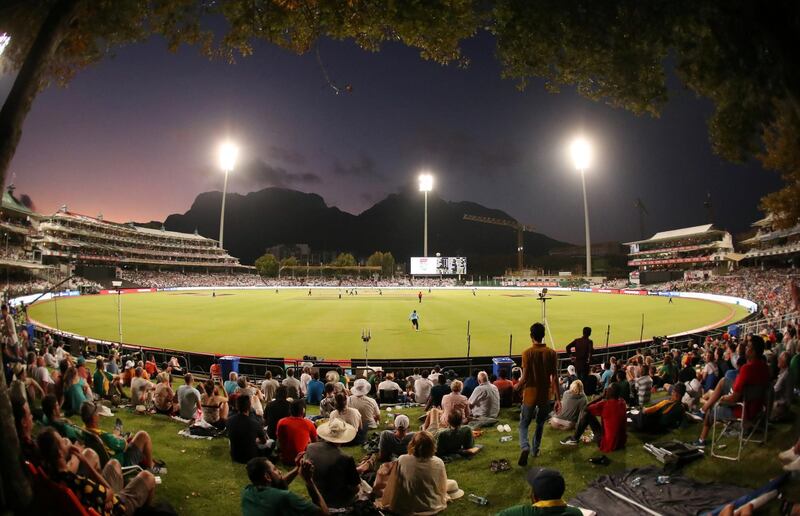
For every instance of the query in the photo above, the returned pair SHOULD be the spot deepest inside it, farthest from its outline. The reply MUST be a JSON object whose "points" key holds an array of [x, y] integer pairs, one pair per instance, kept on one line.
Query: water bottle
{"points": [[505, 438], [477, 500], [662, 479], [636, 482]]}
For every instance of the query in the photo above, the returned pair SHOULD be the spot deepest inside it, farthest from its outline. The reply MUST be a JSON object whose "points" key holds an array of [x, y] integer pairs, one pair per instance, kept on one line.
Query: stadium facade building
{"points": [[771, 244], [74, 238], [678, 253]]}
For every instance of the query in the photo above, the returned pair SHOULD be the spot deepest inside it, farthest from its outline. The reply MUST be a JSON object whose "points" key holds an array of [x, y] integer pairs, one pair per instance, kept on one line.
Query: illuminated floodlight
{"points": [[581, 151], [5, 39], [425, 182], [228, 152]]}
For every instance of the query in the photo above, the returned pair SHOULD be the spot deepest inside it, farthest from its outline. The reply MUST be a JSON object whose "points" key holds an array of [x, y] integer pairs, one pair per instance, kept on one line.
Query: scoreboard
{"points": [[438, 265]]}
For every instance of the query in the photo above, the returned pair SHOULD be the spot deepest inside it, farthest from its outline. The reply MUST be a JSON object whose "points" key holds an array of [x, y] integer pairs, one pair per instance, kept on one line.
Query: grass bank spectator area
{"points": [[200, 393]]}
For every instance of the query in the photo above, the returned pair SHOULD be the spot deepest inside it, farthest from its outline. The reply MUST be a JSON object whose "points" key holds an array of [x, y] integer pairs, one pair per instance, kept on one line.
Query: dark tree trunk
{"points": [[15, 492], [29, 80]]}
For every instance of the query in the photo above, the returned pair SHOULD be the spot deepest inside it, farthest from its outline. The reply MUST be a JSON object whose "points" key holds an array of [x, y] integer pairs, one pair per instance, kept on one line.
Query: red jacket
{"points": [[614, 416]]}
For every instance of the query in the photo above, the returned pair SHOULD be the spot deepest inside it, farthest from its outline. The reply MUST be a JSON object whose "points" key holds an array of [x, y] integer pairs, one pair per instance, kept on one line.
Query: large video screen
{"points": [[436, 265]]}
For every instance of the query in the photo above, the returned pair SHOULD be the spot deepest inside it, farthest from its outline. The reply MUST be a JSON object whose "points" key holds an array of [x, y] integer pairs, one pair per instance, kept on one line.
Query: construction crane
{"points": [[513, 224], [639, 205]]}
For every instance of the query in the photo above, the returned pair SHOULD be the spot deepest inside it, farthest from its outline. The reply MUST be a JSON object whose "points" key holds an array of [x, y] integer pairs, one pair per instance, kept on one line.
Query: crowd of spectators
{"points": [[405, 470], [771, 289]]}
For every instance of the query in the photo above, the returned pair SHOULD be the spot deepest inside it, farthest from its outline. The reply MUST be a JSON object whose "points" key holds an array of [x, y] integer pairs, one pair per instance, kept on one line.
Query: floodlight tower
{"points": [[425, 186], [581, 151], [228, 152]]}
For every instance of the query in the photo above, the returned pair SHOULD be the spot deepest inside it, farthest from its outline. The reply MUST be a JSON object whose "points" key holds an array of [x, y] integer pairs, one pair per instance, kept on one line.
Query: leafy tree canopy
{"points": [[739, 54], [267, 265]]}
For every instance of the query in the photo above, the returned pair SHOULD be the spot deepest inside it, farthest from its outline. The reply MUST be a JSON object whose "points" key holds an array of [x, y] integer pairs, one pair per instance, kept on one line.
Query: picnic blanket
{"points": [[681, 496]]}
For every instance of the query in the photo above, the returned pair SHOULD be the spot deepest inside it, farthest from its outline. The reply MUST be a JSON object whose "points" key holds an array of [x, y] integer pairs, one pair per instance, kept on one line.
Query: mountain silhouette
{"points": [[261, 219]]}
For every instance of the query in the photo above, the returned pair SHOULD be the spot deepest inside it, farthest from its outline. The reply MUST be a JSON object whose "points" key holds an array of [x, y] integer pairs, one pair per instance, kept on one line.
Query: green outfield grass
{"points": [[290, 323]]}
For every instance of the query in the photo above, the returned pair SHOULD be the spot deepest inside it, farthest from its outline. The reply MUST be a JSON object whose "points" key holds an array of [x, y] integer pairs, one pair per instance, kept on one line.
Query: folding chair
{"points": [[92, 441], [387, 396], [52, 497], [745, 428]]}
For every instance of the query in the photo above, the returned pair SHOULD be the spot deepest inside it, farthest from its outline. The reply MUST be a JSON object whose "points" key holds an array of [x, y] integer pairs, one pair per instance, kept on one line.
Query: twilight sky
{"points": [[135, 138]]}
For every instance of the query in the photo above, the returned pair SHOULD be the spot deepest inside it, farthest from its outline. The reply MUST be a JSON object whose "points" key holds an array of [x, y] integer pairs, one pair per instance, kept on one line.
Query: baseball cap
{"points": [[401, 421], [547, 484], [81, 361]]}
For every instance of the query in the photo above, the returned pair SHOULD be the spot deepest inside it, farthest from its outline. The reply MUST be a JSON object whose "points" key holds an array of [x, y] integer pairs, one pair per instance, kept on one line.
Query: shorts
{"points": [[132, 455]]}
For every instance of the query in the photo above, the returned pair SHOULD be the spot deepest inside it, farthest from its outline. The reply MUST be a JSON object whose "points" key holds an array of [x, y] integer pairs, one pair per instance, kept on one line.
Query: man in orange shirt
{"points": [[506, 388], [539, 378]]}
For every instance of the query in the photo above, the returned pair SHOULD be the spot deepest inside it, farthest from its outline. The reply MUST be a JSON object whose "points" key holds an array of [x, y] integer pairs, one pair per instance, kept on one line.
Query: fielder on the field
{"points": [[414, 318]]}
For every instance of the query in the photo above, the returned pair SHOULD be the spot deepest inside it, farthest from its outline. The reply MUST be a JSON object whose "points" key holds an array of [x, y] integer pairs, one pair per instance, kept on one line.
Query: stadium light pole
{"points": [[227, 160], [425, 186], [581, 151]]}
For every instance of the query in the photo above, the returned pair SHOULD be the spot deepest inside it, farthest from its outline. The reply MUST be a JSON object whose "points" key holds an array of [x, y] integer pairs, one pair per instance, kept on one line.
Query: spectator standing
{"points": [[539, 377], [581, 350]]}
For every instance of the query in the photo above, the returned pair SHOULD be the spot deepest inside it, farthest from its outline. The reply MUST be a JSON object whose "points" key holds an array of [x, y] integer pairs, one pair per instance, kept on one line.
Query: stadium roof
{"points": [[10, 202], [679, 233], [130, 226], [164, 232]]}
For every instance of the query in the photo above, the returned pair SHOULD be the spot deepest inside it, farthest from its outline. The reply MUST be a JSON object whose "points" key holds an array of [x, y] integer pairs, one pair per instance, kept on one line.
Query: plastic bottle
{"points": [[477, 500], [505, 438]]}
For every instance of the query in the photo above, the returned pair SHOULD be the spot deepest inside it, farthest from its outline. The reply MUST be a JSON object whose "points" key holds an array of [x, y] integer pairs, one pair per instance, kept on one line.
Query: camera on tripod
{"points": [[543, 293]]}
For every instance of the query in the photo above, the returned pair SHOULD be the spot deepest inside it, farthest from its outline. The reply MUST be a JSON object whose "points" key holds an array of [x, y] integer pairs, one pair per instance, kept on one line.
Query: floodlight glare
{"points": [[227, 156], [581, 151], [425, 182], [5, 39]]}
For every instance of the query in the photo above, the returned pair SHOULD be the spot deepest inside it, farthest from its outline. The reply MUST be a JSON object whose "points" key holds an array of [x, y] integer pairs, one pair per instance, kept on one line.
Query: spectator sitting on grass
{"points": [[368, 407], [268, 387], [295, 432], [328, 402], [454, 402], [335, 472], [268, 492], [350, 416], [104, 493], [150, 366], [214, 405], [422, 389], [470, 383], [456, 439], [74, 393], [246, 435], [612, 410], [232, 383], [505, 388], [390, 385], [141, 388], [52, 417], [164, 396], [484, 404], [395, 443], [105, 384], [42, 376], [292, 384], [665, 415], [256, 396], [188, 398], [138, 451], [573, 403], [314, 390], [276, 410], [547, 488], [438, 391], [422, 485]]}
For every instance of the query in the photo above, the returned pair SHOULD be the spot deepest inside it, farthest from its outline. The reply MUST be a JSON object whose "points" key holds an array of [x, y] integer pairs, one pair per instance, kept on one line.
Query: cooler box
{"points": [[228, 364], [499, 363]]}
